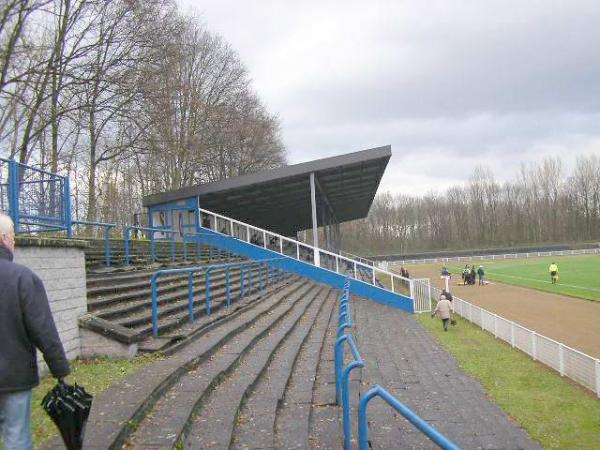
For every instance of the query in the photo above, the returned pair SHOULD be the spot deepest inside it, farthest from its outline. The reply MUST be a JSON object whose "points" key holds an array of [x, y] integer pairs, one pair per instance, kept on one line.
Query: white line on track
{"points": [[547, 282]]}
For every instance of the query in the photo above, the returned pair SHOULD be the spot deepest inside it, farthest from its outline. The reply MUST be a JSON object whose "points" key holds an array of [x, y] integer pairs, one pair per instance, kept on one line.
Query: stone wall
{"points": [[61, 266]]}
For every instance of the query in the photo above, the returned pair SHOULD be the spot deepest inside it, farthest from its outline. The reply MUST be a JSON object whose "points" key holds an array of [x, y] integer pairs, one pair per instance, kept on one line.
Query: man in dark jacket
{"points": [[26, 323]]}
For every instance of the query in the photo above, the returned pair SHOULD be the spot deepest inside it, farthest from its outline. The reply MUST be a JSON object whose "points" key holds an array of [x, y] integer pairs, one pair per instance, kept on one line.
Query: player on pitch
{"points": [[553, 269]]}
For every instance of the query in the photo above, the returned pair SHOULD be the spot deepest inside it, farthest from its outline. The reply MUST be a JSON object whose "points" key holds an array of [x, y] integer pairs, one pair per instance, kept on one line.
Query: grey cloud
{"points": [[450, 85]]}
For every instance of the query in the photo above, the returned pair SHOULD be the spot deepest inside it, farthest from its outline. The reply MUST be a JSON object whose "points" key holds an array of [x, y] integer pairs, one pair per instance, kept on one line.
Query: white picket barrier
{"points": [[585, 251], [421, 294], [567, 361]]}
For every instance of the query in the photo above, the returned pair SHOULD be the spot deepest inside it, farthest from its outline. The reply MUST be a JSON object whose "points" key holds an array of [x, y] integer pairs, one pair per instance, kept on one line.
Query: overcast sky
{"points": [[449, 84]]}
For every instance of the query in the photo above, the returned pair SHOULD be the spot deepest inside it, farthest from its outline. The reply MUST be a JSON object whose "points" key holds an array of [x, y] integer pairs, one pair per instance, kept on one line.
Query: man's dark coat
{"points": [[25, 323]]}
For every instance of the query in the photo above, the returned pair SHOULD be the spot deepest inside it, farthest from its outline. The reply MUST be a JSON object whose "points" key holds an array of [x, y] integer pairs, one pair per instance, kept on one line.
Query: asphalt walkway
{"points": [[404, 358]]}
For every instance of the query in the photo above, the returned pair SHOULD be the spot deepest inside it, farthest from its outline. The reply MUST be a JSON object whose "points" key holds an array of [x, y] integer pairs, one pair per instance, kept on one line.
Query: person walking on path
{"points": [[443, 310], [481, 274], [553, 269], [26, 323], [446, 294]]}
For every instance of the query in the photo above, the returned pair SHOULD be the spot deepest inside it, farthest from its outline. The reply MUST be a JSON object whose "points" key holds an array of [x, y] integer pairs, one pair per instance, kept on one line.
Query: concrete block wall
{"points": [[62, 270]]}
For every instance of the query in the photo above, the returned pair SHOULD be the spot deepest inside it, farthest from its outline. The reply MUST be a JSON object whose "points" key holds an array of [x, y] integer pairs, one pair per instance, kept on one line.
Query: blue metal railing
{"points": [[107, 229], [35, 199], [151, 232], [401, 408], [343, 378], [342, 385], [207, 269]]}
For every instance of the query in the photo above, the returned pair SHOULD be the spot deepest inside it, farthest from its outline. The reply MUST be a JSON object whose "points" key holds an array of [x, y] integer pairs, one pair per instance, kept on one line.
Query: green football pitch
{"points": [[579, 276]]}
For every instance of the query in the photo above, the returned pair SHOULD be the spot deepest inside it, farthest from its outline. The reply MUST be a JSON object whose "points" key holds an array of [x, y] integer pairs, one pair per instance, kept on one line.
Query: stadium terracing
{"points": [[270, 342]]}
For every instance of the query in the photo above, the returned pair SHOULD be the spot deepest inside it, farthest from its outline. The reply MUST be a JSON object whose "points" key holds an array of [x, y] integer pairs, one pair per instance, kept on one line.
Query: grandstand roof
{"points": [[280, 199]]}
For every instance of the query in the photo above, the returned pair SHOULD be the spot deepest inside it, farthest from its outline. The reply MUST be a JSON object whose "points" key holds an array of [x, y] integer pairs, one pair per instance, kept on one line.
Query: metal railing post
{"points": [[67, 207], [191, 296], [107, 245], [250, 280], [242, 283], [127, 233], [154, 304], [13, 193], [207, 284], [173, 247], [152, 247], [227, 288]]}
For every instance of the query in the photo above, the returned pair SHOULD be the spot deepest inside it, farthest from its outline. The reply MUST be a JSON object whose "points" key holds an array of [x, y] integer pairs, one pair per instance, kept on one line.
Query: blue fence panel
{"points": [[36, 200], [4, 187]]}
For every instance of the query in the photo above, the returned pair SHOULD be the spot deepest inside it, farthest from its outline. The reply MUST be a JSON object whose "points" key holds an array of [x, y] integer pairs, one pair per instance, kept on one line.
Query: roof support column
{"points": [[315, 225]]}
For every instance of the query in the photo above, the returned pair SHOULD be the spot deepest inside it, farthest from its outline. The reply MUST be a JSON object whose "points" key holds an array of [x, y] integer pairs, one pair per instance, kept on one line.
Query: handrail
{"points": [[345, 382], [127, 232], [358, 258], [407, 413], [107, 227], [206, 269], [342, 375], [351, 263]]}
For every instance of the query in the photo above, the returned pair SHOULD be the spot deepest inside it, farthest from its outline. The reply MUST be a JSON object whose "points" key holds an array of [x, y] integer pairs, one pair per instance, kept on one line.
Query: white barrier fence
{"points": [[421, 294], [569, 362], [585, 251]]}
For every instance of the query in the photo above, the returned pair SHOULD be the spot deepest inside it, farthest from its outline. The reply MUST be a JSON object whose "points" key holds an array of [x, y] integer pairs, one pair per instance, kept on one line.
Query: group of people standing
{"points": [[469, 275]]}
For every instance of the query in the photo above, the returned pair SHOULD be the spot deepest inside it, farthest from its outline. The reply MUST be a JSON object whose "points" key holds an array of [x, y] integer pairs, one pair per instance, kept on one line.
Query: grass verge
{"points": [[95, 375], [553, 410]]}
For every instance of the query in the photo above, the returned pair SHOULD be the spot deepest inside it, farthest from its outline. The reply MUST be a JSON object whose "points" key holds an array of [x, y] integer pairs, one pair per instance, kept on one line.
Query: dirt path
{"points": [[572, 321]]}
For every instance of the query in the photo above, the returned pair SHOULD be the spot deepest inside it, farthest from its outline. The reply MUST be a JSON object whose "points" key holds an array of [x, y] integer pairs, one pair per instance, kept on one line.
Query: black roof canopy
{"points": [[280, 199]]}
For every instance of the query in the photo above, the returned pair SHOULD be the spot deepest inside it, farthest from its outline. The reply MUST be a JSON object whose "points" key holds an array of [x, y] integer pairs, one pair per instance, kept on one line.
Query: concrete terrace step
{"points": [[118, 411], [255, 427], [220, 410], [131, 295], [162, 426], [324, 422], [138, 274], [292, 424], [176, 311]]}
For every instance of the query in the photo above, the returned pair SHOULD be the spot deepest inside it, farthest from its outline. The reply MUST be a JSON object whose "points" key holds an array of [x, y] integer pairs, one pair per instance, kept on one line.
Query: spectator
{"points": [[443, 310], [481, 274], [447, 294], [465, 274], [553, 269], [26, 323]]}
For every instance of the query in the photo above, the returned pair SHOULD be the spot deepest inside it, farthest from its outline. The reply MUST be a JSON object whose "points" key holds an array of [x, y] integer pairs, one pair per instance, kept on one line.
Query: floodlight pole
{"points": [[313, 202]]}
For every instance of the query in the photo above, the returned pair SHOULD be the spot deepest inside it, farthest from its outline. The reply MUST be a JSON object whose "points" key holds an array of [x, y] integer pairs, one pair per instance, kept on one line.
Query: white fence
{"points": [[585, 251], [569, 362], [421, 294]]}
